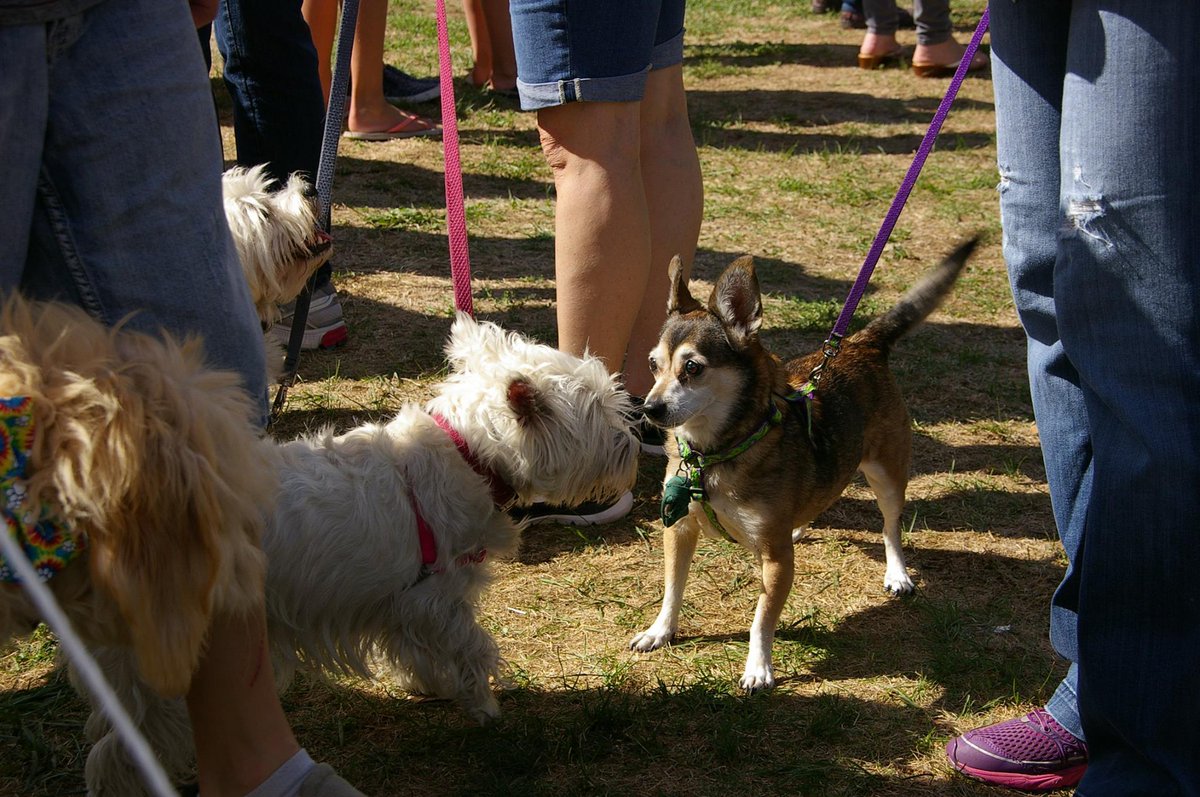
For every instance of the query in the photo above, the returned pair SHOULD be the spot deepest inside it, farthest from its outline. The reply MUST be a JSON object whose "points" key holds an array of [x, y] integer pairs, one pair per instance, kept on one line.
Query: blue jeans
{"points": [[272, 78], [110, 179], [1098, 141], [932, 18], [592, 51]]}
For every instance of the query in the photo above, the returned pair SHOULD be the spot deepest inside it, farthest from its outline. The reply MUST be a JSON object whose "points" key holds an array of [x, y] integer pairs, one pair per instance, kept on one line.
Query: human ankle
{"points": [[287, 778], [878, 43]]}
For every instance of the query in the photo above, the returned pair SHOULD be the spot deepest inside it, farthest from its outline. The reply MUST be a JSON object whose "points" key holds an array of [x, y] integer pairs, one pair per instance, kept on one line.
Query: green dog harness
{"points": [[47, 543], [687, 484]]}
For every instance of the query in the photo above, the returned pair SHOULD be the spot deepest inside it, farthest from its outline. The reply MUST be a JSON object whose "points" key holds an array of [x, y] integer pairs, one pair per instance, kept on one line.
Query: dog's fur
{"points": [[157, 461], [714, 386], [346, 588], [345, 573], [276, 231]]}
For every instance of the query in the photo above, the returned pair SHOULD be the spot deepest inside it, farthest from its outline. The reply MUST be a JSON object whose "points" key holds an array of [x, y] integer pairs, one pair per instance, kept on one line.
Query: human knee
{"points": [[582, 134]]}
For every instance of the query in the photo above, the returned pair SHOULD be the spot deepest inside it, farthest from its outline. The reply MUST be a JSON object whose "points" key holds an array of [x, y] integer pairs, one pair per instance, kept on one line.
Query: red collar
{"points": [[429, 546], [503, 495]]}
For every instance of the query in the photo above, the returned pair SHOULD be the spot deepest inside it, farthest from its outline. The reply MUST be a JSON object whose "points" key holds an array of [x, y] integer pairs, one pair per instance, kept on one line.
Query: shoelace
{"points": [[1064, 741]]}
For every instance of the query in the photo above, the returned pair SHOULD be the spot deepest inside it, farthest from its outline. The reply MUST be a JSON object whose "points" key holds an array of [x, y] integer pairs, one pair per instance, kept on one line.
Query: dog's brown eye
{"points": [[692, 368], [653, 365]]}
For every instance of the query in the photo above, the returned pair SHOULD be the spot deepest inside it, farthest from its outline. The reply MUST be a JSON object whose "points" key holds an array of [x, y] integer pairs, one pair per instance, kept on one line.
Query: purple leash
{"points": [[906, 187]]}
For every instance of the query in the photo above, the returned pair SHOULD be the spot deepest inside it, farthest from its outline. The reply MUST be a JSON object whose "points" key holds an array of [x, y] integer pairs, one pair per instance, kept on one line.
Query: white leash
{"points": [[43, 600]]}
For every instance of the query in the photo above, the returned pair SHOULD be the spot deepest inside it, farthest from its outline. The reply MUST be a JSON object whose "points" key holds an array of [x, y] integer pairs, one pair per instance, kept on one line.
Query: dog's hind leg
{"points": [[889, 484], [777, 560], [449, 655], [679, 546]]}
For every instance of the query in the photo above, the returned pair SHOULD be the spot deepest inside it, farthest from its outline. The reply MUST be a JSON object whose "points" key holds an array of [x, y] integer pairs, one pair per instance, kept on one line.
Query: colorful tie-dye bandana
{"points": [[47, 542]]}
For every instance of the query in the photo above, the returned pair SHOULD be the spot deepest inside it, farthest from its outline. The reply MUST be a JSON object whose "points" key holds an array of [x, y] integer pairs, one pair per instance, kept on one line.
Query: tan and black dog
{"points": [[755, 460]]}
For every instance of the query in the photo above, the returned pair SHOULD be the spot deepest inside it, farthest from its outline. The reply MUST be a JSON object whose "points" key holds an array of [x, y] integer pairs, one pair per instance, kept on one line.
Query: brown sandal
{"points": [[978, 63], [880, 60]]}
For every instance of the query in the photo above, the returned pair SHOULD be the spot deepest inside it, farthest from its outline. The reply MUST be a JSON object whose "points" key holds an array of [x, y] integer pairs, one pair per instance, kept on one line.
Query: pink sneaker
{"points": [[1031, 753]]}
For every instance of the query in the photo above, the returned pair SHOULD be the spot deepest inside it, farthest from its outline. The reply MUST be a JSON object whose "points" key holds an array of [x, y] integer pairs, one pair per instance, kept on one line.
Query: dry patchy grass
{"points": [[801, 153]]}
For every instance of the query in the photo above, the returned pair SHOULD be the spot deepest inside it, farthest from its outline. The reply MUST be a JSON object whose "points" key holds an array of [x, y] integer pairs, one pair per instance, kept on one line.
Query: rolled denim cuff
{"points": [[1064, 705]]}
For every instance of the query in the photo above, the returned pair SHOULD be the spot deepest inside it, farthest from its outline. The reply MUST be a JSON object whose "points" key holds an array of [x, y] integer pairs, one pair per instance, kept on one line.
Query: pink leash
{"points": [[460, 257], [456, 217]]}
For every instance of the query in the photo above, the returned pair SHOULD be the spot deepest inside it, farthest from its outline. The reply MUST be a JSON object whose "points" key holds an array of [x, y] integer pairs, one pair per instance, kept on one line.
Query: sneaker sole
{"points": [[653, 450], [314, 338], [615, 512], [1050, 781]]}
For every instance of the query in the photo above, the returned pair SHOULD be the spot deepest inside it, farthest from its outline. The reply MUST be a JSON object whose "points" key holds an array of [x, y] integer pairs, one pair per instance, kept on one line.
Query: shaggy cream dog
{"points": [[134, 450], [153, 466]]}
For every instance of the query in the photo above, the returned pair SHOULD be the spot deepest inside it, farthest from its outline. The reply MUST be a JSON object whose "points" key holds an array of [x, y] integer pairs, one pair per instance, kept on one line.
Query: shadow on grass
{"points": [[752, 54], [719, 121], [702, 739], [41, 736], [693, 740]]}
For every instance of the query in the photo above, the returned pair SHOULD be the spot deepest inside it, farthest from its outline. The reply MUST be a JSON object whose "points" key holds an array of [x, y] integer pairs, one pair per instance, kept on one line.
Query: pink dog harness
{"points": [[503, 496], [47, 542]]}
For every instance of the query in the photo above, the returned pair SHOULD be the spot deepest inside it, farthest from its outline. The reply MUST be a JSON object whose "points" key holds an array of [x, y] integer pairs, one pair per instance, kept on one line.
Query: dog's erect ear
{"points": [[679, 300], [524, 399], [737, 301]]}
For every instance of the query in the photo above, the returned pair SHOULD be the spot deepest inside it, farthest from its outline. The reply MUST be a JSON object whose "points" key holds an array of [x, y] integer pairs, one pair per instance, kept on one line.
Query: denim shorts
{"points": [[592, 50], [110, 180]]}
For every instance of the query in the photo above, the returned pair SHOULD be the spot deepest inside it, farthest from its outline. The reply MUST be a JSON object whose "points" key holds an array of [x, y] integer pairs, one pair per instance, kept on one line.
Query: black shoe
{"points": [[589, 513], [399, 86], [650, 437]]}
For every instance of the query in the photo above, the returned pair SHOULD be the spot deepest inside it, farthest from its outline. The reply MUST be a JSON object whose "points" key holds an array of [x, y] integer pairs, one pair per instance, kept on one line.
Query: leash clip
{"points": [[829, 350]]}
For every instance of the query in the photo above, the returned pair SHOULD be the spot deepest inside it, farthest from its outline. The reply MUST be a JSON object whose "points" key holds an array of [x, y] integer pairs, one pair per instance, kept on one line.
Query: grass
{"points": [[801, 153]]}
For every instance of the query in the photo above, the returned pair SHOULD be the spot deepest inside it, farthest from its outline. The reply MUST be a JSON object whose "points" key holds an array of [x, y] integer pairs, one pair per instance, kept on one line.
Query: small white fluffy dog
{"points": [[276, 231], [381, 540], [350, 570]]}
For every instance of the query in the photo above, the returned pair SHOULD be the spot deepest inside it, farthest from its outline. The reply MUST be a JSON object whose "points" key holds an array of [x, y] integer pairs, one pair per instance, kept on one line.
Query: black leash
{"points": [[334, 115]]}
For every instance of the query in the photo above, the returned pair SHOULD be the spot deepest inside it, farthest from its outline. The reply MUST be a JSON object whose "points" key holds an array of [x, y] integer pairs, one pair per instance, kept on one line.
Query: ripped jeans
{"points": [[1098, 143]]}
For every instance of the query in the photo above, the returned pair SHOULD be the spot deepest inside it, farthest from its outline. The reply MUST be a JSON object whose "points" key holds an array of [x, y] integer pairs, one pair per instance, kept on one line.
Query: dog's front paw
{"points": [[757, 677], [484, 711], [652, 638], [898, 583]]}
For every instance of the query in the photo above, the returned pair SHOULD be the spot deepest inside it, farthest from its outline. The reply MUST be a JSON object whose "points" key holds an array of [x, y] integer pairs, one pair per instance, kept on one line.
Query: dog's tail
{"points": [[921, 299]]}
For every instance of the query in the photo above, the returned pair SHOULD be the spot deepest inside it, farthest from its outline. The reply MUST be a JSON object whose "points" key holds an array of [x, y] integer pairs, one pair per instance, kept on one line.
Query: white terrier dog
{"points": [[276, 231], [380, 544], [380, 535]]}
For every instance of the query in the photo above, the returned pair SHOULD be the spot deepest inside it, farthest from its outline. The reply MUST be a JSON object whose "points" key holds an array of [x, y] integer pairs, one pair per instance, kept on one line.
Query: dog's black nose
{"points": [[310, 191], [655, 411]]}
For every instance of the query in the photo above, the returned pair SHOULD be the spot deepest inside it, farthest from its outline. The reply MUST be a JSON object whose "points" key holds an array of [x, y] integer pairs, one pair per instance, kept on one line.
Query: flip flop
{"points": [[411, 127]]}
